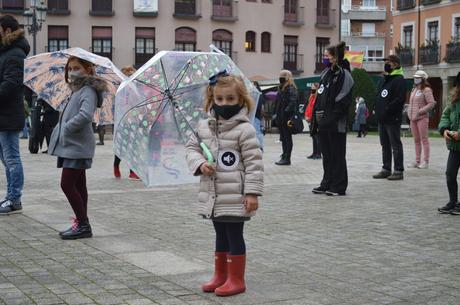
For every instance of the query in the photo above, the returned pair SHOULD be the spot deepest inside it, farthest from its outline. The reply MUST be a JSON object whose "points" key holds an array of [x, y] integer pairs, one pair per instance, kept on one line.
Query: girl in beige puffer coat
{"points": [[229, 189]]}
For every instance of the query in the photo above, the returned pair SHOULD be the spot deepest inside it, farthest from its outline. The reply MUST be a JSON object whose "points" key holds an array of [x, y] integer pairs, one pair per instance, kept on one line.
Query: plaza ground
{"points": [[383, 243]]}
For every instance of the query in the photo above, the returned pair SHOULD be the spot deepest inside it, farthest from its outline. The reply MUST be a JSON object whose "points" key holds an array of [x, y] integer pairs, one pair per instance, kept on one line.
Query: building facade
{"points": [[427, 37], [262, 36], [366, 27]]}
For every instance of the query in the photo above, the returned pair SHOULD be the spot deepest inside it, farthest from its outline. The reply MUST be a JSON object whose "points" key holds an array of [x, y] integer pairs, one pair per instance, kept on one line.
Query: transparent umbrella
{"points": [[158, 108]]}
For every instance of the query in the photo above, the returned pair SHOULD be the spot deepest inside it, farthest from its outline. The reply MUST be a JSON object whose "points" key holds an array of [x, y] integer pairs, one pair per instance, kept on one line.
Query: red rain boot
{"points": [[235, 280], [220, 272], [116, 171]]}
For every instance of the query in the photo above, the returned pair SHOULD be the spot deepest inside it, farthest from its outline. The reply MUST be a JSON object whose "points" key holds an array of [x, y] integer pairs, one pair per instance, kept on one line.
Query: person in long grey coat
{"points": [[73, 141], [361, 114]]}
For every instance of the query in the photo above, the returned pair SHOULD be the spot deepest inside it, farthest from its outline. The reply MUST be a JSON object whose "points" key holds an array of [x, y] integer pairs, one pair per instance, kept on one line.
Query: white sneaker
{"points": [[424, 165], [413, 165]]}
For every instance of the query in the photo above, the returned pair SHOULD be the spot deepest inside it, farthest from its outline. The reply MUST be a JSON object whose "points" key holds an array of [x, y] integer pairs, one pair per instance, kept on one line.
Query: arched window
{"points": [[266, 42], [185, 39], [223, 40], [250, 43]]}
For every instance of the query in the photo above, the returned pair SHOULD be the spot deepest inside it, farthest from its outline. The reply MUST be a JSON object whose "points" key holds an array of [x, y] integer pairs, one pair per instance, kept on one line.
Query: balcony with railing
{"points": [[226, 11], [406, 56], [364, 38], [453, 52], [293, 62], [12, 7], [101, 8], [367, 13], [58, 7], [429, 55], [294, 18], [430, 2], [187, 9], [405, 4], [325, 18]]}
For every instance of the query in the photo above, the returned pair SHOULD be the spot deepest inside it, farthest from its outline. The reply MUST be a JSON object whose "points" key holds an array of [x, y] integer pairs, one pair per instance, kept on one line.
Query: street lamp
{"points": [[35, 16]]}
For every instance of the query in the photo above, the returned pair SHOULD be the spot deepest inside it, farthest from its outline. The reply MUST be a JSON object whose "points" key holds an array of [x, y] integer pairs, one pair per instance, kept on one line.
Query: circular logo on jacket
{"points": [[418, 93], [321, 89], [384, 93], [229, 159]]}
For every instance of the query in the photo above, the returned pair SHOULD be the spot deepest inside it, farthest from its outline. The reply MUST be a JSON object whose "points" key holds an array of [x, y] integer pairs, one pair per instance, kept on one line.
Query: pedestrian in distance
{"points": [[229, 189], [449, 127], [330, 120], [128, 71], [13, 50], [50, 120], [72, 140], [25, 130], [421, 102], [258, 121], [309, 117], [285, 107], [361, 115], [391, 96]]}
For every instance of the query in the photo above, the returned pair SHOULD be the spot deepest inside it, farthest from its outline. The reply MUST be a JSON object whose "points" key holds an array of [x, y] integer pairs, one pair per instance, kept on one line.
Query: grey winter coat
{"points": [[73, 136], [234, 145], [360, 116]]}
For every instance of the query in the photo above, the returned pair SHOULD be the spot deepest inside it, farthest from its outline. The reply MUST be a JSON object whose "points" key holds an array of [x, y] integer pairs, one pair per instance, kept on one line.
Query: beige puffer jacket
{"points": [[235, 148]]}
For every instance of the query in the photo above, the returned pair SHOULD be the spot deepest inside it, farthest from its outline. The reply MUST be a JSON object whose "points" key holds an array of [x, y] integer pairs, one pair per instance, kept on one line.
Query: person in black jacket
{"points": [[391, 97], [330, 120], [286, 102], [13, 50]]}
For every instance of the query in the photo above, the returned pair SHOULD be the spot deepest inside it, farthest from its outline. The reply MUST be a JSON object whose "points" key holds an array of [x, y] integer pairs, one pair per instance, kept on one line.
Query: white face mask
{"points": [[417, 81], [75, 74]]}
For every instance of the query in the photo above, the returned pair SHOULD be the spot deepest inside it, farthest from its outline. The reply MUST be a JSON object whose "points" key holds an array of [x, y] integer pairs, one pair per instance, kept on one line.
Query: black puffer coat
{"points": [[285, 105], [13, 51]]}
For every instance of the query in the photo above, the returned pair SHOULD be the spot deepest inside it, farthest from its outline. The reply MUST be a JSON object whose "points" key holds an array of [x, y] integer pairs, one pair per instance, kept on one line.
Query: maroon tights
{"points": [[73, 184]]}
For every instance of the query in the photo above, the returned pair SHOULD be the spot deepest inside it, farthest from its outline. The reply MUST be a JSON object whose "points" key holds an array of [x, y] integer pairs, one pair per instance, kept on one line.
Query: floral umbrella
{"points": [[44, 74], [158, 108]]}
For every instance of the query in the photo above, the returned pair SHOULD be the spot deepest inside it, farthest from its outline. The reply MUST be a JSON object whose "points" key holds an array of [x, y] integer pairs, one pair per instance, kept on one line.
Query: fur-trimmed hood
{"points": [[15, 39], [99, 84]]}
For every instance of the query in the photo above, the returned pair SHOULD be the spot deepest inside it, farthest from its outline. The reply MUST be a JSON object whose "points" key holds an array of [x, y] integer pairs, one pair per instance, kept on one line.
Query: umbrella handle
{"points": [[207, 152]]}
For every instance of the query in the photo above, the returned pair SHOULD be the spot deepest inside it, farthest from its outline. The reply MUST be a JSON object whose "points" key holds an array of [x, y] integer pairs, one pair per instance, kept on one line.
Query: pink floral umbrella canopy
{"points": [[158, 107], [44, 74]]}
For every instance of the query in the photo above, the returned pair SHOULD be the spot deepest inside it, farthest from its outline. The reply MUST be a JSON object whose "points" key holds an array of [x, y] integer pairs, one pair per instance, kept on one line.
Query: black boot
{"points": [[284, 161], [80, 229]]}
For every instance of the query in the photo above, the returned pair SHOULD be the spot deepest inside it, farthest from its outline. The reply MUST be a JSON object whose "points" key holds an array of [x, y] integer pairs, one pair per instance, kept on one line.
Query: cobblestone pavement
{"points": [[383, 243]]}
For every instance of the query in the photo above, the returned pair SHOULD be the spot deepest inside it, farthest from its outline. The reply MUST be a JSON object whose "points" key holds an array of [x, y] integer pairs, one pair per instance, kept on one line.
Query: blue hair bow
{"points": [[213, 79]]}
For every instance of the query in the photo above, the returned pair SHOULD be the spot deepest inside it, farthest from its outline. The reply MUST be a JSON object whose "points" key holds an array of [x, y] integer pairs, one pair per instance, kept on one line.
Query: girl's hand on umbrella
{"points": [[251, 203], [207, 169]]}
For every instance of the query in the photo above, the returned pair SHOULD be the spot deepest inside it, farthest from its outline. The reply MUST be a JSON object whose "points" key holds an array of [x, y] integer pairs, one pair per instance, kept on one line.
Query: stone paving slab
{"points": [[383, 243]]}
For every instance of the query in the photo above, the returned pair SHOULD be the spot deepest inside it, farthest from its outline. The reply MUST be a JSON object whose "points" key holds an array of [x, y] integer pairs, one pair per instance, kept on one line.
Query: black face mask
{"points": [[388, 68], [226, 111], [282, 80]]}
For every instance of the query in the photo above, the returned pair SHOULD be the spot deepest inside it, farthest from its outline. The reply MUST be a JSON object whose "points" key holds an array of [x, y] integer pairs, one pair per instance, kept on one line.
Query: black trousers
{"points": [[50, 120], [333, 148], [229, 237], [286, 139], [316, 145], [315, 140], [362, 130], [453, 164], [390, 139]]}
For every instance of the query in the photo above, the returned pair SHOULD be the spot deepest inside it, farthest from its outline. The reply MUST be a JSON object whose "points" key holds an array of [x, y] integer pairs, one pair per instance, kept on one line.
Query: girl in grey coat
{"points": [[229, 189], [73, 141]]}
